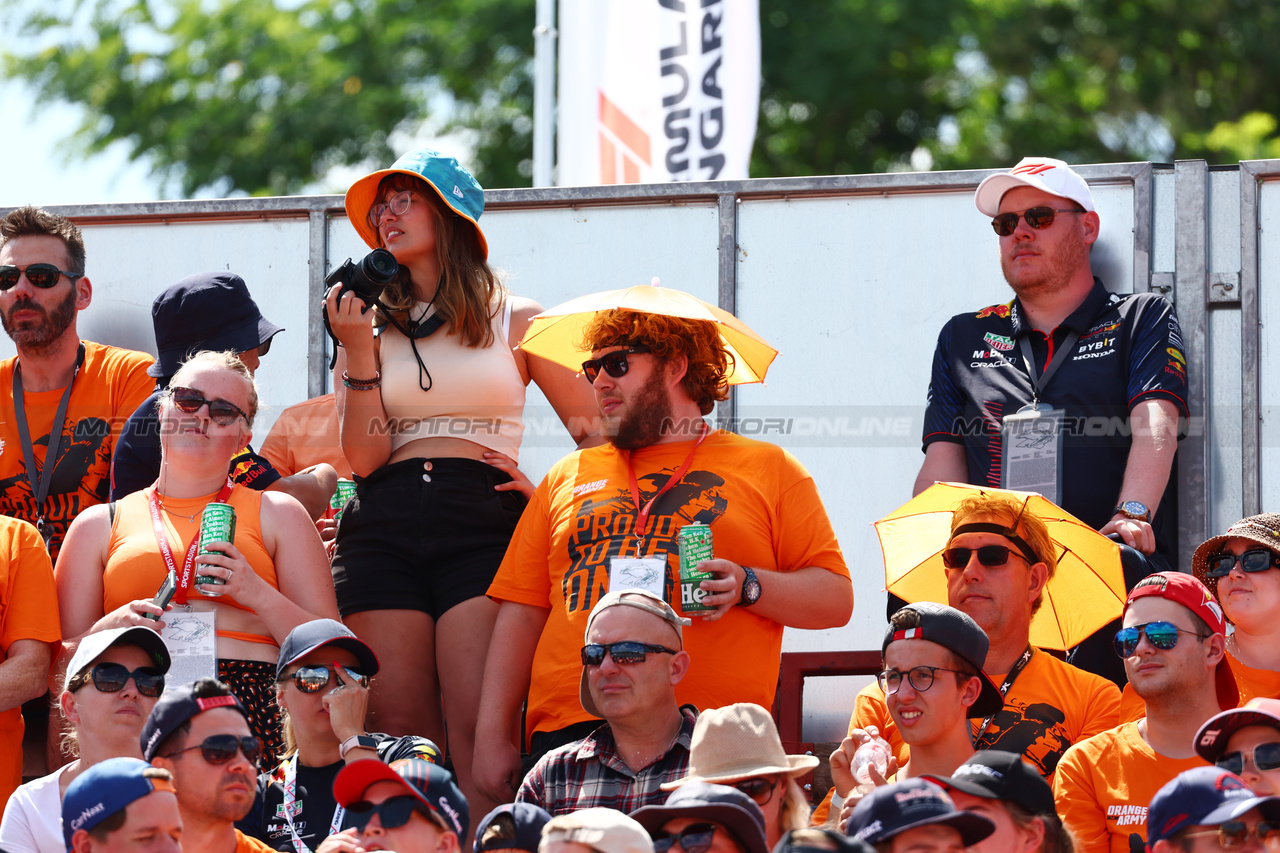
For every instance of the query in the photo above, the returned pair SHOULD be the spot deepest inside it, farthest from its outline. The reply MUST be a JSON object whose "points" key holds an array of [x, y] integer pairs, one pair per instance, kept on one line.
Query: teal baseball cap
{"points": [[457, 188]]}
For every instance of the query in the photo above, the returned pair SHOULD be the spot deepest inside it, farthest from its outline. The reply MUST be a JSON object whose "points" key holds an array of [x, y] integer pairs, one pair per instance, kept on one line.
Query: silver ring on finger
{"points": [[229, 573]]}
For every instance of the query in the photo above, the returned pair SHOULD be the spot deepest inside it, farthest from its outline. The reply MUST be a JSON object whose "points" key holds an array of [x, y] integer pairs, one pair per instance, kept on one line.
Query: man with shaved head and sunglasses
{"points": [[997, 562], [1174, 648], [87, 388], [610, 517], [1097, 378], [632, 659], [199, 732]]}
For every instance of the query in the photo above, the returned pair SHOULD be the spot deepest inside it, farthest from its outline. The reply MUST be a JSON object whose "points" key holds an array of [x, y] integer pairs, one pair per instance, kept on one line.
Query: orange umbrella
{"points": [[556, 334], [1087, 590]]}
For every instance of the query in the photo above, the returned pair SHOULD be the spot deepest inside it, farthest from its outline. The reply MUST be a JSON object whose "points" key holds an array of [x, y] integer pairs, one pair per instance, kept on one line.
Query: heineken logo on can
{"points": [[694, 541]]}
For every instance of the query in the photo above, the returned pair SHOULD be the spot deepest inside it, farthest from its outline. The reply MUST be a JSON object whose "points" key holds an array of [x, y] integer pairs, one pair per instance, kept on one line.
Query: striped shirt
{"points": [[590, 772]]}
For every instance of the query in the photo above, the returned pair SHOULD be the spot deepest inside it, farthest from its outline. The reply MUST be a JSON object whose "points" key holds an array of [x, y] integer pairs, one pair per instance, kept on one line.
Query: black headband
{"points": [[1026, 550]]}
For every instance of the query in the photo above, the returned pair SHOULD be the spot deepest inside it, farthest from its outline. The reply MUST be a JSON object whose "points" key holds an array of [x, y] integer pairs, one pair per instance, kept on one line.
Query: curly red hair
{"points": [[669, 338]]}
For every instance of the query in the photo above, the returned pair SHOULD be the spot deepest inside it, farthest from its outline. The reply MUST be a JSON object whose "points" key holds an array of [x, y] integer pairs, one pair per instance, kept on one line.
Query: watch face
{"points": [[751, 593], [1136, 509]]}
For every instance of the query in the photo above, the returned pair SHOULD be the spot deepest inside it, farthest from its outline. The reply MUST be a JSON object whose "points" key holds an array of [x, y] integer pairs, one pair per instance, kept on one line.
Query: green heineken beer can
{"points": [[346, 491], [218, 524], [694, 541]]}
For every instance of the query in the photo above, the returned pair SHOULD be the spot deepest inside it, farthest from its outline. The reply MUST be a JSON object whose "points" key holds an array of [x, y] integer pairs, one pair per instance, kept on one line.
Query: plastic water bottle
{"points": [[875, 751]]}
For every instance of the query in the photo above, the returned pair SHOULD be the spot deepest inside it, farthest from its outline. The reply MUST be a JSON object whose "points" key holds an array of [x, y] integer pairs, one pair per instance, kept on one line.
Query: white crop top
{"points": [[476, 393]]}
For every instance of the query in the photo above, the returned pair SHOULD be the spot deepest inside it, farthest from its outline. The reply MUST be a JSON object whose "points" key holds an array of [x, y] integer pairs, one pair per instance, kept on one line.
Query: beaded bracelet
{"points": [[362, 384]]}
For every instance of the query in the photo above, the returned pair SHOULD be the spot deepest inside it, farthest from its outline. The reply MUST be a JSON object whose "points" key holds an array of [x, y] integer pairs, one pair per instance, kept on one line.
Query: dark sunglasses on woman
{"points": [[759, 789], [219, 749], [221, 412], [43, 276], [1265, 756], [313, 679], [615, 363], [392, 813], [1254, 560], [694, 838], [112, 677]]}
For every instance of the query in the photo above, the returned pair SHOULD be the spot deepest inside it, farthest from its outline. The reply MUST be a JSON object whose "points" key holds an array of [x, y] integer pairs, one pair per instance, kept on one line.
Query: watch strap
{"points": [[356, 742]]}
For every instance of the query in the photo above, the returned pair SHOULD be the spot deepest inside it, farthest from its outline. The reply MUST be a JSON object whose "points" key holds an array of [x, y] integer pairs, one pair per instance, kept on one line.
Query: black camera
{"points": [[366, 279]]}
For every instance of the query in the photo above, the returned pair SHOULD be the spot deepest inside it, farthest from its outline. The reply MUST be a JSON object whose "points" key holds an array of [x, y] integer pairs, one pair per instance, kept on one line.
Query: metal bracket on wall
{"points": [[1162, 283], [1224, 288]]}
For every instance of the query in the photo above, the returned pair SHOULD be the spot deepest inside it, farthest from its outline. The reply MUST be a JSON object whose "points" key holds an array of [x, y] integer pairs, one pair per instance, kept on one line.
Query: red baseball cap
{"points": [[1192, 594]]}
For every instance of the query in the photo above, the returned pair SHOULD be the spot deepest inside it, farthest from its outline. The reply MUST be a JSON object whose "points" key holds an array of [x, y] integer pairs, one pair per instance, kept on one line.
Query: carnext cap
{"points": [[429, 784], [640, 599], [1211, 740], [92, 645], [104, 789], [449, 178], [1202, 796], [309, 636], [893, 809], [1195, 596], [605, 830], [176, 706], [528, 820], [206, 311], [1043, 173], [958, 633], [994, 774]]}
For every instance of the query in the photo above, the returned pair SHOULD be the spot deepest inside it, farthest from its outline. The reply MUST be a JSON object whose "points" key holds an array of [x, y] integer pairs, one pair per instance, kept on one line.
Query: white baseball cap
{"points": [[1044, 173]]}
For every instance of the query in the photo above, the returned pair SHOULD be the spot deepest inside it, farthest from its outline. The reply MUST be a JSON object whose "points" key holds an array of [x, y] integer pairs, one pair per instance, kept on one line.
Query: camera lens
{"points": [[380, 266]]}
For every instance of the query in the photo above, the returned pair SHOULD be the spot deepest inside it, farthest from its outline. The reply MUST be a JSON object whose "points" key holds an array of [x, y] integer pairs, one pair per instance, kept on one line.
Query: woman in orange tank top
{"points": [[273, 577], [430, 407]]}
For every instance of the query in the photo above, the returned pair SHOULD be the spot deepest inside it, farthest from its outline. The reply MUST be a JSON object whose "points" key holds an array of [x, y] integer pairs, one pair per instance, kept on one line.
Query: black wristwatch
{"points": [[1136, 510], [750, 588]]}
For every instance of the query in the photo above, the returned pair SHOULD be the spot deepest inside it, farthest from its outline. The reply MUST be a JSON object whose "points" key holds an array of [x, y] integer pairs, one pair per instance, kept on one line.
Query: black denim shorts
{"points": [[423, 534]]}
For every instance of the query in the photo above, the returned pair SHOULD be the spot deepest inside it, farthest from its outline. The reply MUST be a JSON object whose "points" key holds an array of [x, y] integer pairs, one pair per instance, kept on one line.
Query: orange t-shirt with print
{"points": [[1249, 681], [1050, 706], [111, 384], [1103, 786], [28, 611], [306, 434], [763, 510]]}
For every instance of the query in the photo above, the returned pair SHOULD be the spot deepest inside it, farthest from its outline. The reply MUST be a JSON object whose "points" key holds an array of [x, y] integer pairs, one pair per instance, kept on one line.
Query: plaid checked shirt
{"points": [[590, 773]]}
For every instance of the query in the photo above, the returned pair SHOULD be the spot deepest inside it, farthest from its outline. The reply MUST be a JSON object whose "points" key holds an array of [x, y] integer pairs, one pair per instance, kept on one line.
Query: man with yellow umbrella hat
{"points": [[607, 517], [993, 558]]}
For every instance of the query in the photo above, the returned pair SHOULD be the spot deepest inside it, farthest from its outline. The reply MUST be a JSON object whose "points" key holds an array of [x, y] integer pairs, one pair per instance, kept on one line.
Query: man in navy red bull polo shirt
{"points": [[1068, 390]]}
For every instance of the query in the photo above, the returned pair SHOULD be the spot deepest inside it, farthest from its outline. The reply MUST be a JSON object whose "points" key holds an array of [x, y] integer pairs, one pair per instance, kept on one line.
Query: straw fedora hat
{"points": [[738, 742]]}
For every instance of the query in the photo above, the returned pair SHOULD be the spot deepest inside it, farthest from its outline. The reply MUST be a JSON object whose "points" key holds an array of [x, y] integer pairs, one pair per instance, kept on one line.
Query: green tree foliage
{"points": [[264, 96]]}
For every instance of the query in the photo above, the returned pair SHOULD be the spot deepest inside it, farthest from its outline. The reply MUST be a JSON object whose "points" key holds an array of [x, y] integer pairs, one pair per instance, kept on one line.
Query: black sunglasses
{"points": [[1234, 834], [313, 679], [1265, 756], [391, 813], [920, 677], [1255, 560], [626, 651], [694, 838], [615, 363], [43, 276], [219, 749], [112, 677], [221, 412], [988, 555], [759, 789], [1162, 635], [1037, 217]]}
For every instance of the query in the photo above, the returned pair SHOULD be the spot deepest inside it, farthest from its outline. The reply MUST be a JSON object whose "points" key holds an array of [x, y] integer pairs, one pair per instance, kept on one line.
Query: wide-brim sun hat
{"points": [[737, 742], [455, 186]]}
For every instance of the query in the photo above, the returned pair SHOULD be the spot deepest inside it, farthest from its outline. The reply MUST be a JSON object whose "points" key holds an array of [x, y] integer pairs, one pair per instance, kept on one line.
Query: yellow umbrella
{"points": [[1087, 590], [556, 334]]}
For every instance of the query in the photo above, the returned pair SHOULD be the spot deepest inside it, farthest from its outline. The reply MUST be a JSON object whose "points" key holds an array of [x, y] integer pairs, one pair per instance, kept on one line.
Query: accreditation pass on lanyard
{"points": [[640, 572], [290, 800], [1032, 437]]}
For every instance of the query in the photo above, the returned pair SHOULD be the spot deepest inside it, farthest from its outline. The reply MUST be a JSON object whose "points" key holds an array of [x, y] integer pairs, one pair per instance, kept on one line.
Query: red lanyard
{"points": [[162, 539], [642, 514]]}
